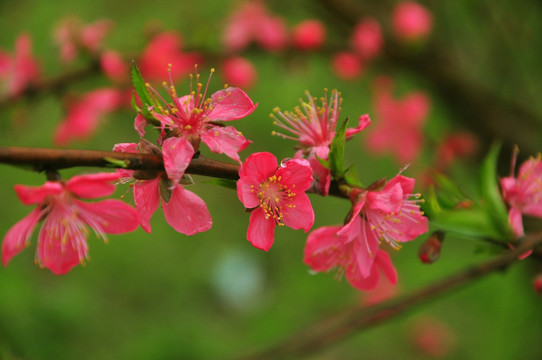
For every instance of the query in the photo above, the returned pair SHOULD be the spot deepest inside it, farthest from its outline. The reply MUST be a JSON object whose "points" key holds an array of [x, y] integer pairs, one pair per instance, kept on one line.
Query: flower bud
{"points": [[411, 21], [308, 35], [347, 65], [537, 283], [429, 251], [367, 38], [240, 72]]}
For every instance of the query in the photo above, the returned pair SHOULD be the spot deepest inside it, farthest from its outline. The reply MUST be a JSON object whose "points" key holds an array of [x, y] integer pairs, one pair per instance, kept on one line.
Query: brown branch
{"points": [[336, 328]]}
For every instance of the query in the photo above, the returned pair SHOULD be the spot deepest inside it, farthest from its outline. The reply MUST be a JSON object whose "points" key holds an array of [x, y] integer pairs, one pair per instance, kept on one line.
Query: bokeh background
{"points": [[212, 295]]}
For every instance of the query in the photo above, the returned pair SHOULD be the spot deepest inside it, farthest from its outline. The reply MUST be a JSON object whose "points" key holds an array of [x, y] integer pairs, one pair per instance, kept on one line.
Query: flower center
{"points": [[275, 198]]}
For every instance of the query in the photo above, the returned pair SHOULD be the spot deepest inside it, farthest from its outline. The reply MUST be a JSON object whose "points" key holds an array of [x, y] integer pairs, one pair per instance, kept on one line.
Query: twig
{"points": [[320, 335]]}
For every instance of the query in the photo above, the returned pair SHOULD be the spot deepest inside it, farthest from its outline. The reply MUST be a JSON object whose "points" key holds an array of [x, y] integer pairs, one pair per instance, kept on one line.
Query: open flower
{"points": [[195, 117], [19, 70], [185, 211], [524, 193], [276, 195], [313, 126], [62, 240], [388, 215]]}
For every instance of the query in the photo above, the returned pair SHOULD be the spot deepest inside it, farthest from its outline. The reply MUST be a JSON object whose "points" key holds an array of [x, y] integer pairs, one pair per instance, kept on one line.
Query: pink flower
{"points": [[84, 114], [411, 21], [367, 38], [253, 22], [377, 215], [195, 117], [240, 72], [62, 240], [19, 71], [276, 195], [185, 211], [308, 35], [347, 65], [432, 338], [114, 66], [453, 146], [523, 193], [165, 49], [399, 126], [313, 126]]}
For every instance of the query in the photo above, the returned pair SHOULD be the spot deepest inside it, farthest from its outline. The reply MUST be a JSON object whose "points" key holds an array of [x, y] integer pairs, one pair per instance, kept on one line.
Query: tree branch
{"points": [[318, 336]]}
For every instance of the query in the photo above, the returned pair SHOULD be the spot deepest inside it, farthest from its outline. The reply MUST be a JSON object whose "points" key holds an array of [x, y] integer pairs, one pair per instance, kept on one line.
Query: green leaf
{"points": [[142, 92], [336, 151], [116, 163], [165, 189], [470, 222], [493, 202], [323, 162], [227, 183], [351, 177]]}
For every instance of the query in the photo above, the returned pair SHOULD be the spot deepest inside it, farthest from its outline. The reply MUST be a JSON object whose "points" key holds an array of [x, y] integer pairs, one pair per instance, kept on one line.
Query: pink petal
{"points": [[225, 140], [177, 153], [247, 194], [301, 215], [259, 166], [516, 222], [147, 200], [407, 184], [383, 260], [16, 238], [296, 174], [261, 231], [388, 199], [126, 147], [35, 194], [139, 124], [365, 248], [186, 212], [324, 250], [364, 121], [321, 175], [230, 104], [359, 282], [92, 186], [109, 216], [411, 226]]}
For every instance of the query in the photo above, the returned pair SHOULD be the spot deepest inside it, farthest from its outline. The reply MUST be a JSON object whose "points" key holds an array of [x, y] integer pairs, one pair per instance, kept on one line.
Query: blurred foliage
{"points": [[167, 296]]}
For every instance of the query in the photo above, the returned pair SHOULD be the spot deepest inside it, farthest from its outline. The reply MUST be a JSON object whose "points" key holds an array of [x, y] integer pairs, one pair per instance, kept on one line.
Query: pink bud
{"points": [[238, 71], [367, 38], [347, 65], [429, 251], [309, 35], [114, 67], [537, 283], [411, 21], [272, 34]]}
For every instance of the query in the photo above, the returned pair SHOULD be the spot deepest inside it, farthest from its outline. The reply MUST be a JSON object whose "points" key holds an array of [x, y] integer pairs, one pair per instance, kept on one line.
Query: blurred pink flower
{"points": [[411, 21], [115, 67], [165, 49], [537, 283], [313, 126], [185, 211], [523, 193], [432, 337], [388, 215], [18, 71], [72, 36], [276, 196], [253, 22], [238, 71], [453, 146], [194, 117], [85, 113], [347, 65], [398, 129], [308, 35], [62, 240], [367, 38]]}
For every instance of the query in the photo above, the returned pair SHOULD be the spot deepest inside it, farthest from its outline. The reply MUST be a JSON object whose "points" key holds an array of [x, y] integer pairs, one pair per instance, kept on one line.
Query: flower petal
{"points": [[365, 248], [16, 238], [383, 260], [301, 215], [93, 185], [259, 167], [324, 250], [246, 193], [177, 152], [516, 222], [109, 216], [139, 125], [370, 282], [261, 231], [364, 121], [186, 212], [296, 174], [230, 104], [35, 194], [147, 200], [225, 140]]}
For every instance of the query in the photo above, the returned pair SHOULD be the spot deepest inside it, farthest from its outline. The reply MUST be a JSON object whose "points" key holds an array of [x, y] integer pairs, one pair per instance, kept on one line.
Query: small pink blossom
{"points": [[367, 38], [276, 195], [195, 117], [411, 21], [453, 146], [238, 71], [165, 49], [253, 22], [347, 65], [399, 126], [18, 71], [62, 240], [523, 193], [84, 114], [388, 215], [114, 66], [185, 211], [308, 35], [313, 126], [432, 337]]}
